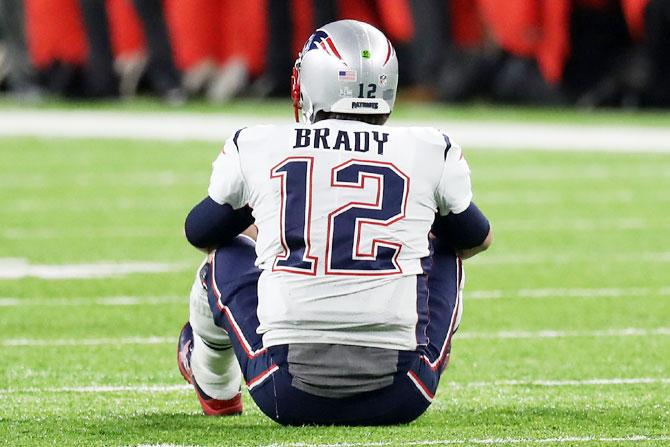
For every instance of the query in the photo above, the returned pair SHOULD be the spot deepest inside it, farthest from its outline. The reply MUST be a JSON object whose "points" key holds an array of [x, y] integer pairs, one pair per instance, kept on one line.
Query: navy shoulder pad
{"points": [[237, 135], [448, 143]]}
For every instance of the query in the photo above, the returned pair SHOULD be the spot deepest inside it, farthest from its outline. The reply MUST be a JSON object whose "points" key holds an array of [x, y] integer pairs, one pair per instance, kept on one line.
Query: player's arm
{"points": [[210, 224], [468, 232], [466, 253], [459, 223], [224, 214]]}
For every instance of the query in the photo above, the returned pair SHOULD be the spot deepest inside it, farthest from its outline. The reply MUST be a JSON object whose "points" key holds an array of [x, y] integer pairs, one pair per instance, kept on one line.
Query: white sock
{"points": [[216, 371]]}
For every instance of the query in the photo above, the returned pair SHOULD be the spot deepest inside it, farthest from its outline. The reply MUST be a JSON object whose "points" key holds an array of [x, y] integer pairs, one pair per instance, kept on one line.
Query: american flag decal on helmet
{"points": [[347, 75], [321, 40]]}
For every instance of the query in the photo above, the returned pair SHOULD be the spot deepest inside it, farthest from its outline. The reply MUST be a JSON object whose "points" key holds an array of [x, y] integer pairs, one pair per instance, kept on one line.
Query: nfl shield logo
{"points": [[383, 79]]}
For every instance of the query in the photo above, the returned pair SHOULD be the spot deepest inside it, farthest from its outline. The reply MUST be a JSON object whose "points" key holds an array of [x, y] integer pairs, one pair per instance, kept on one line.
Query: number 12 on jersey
{"points": [[346, 224]]}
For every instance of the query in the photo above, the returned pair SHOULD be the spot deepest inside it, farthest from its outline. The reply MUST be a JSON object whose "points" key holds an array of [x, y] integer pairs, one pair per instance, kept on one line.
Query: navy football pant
{"points": [[231, 279]]}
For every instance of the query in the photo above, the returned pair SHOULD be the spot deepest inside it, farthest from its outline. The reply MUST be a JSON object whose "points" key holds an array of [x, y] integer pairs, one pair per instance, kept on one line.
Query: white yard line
{"points": [[102, 389], [581, 224], [16, 268], [606, 292], [471, 441], [86, 205], [539, 293], [552, 258], [166, 445], [91, 301], [484, 441], [567, 383], [625, 332], [544, 174], [145, 178], [515, 226], [606, 333], [88, 341], [168, 388], [48, 233], [216, 128]]}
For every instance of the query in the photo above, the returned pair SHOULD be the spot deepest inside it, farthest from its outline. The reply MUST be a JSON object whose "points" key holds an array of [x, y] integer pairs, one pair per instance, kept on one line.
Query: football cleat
{"points": [[184, 350], [209, 405]]}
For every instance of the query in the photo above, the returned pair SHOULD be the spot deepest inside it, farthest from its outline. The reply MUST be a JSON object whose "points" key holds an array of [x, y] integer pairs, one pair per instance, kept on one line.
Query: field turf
{"points": [[565, 338]]}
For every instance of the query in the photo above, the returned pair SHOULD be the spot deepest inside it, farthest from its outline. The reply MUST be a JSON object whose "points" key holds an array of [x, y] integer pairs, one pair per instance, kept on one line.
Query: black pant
{"points": [[657, 47], [100, 79], [162, 71]]}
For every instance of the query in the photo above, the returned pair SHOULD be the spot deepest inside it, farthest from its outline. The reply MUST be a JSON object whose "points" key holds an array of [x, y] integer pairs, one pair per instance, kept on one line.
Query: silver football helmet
{"points": [[347, 67]]}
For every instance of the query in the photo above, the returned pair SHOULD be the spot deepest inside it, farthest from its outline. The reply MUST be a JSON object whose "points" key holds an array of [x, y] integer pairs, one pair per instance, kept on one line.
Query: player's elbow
{"points": [[469, 232], [466, 253], [210, 224], [468, 229], [194, 232]]}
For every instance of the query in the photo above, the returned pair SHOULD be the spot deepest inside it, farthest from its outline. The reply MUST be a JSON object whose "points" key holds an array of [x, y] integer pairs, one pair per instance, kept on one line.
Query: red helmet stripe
{"points": [[388, 51], [332, 47]]}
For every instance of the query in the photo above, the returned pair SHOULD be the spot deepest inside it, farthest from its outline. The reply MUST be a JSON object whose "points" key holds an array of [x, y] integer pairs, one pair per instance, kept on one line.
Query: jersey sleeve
{"points": [[454, 191], [227, 184]]}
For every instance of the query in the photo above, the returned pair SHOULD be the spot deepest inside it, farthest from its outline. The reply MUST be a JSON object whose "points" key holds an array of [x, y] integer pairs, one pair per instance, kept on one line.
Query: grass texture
{"points": [[565, 338]]}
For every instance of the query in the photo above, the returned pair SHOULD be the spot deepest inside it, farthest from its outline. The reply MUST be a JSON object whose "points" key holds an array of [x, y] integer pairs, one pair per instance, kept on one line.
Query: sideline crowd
{"points": [[588, 53]]}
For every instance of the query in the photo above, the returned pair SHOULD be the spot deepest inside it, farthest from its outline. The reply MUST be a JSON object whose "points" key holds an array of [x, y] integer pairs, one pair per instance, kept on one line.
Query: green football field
{"points": [[565, 337]]}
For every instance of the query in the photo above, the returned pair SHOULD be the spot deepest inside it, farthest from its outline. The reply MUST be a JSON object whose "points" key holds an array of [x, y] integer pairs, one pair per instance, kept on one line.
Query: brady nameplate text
{"points": [[353, 141]]}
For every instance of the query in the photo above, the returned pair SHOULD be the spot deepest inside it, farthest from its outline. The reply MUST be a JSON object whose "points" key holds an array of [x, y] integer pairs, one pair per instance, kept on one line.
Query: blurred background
{"points": [[111, 112], [583, 53]]}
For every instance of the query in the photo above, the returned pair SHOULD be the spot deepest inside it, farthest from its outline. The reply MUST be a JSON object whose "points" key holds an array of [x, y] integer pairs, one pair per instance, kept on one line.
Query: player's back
{"points": [[343, 210]]}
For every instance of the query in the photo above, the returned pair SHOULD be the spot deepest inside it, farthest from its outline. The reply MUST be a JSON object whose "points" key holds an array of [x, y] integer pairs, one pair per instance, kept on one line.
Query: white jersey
{"points": [[343, 210]]}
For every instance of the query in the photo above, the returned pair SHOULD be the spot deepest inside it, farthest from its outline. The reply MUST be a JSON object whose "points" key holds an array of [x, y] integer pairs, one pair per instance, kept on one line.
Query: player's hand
{"points": [[251, 231]]}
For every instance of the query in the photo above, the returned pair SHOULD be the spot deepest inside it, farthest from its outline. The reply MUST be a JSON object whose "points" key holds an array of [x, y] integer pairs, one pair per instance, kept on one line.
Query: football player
{"points": [[341, 308]]}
